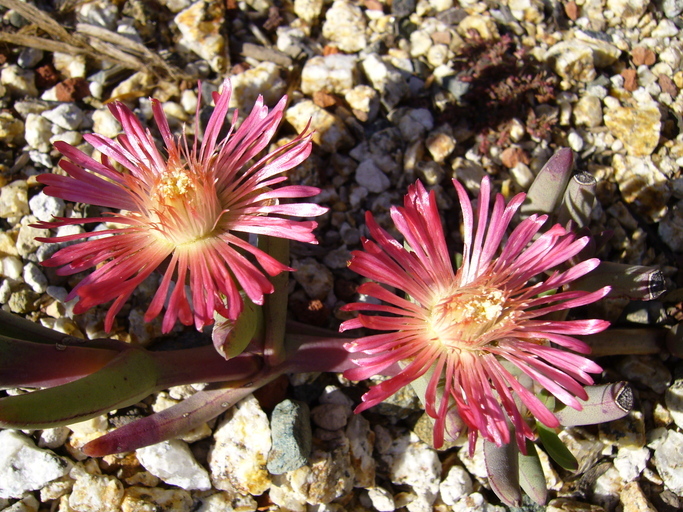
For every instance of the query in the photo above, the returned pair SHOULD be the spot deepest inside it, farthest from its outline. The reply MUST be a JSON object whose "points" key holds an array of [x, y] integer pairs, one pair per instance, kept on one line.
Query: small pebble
{"points": [[173, 462], [24, 467]]}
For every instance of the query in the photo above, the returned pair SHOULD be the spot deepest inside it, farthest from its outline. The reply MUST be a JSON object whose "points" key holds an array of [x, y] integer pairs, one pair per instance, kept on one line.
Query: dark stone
{"points": [[290, 427], [403, 8]]}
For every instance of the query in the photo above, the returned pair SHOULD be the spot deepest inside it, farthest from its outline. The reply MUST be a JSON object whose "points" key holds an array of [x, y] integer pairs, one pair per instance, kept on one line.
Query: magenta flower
{"points": [[479, 329], [189, 213]]}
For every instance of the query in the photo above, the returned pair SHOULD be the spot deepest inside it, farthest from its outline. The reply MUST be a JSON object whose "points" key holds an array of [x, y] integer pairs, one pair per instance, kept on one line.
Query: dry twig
{"points": [[93, 41]]}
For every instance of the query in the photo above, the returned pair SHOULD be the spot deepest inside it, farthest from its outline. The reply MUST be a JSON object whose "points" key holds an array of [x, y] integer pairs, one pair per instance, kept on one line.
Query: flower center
{"points": [[183, 208], [173, 185], [460, 319]]}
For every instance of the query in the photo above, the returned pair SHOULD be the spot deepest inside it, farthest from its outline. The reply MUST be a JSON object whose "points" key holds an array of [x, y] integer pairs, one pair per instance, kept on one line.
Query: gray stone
{"points": [[11, 267], [315, 278], [674, 401], [70, 137], [29, 57], [46, 207], [11, 128], [337, 258], [672, 8], [173, 462], [5, 291], [24, 467], [415, 123], [586, 448], [456, 485], [227, 502], [34, 277], [23, 301], [386, 79], [484, 25], [26, 241], [361, 444], [665, 28], [631, 461], [19, 82], [53, 437], [66, 115], [411, 462], [669, 461], [349, 234], [37, 132], [101, 13], [402, 8], [371, 177], [27, 504], [261, 80], [420, 42], [105, 124], [381, 499], [70, 65], [290, 427], [634, 499], [331, 416], [647, 370], [40, 159]]}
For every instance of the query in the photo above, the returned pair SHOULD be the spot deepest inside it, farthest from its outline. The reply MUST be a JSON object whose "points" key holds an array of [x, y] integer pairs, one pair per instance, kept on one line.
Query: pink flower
{"points": [[189, 213], [478, 330]]}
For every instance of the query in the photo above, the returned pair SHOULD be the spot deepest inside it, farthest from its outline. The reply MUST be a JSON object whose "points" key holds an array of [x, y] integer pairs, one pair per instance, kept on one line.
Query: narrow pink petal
{"points": [[87, 162], [468, 227]]}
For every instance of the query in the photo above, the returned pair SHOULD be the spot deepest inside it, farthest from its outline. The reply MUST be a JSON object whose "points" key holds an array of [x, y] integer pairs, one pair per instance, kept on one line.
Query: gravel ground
{"points": [[396, 91]]}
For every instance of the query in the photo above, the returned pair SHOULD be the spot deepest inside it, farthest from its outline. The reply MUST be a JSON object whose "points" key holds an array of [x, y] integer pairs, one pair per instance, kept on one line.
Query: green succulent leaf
{"points": [[502, 468], [531, 477], [550, 184], [28, 364], [578, 201], [556, 448], [128, 378], [231, 337], [606, 402]]}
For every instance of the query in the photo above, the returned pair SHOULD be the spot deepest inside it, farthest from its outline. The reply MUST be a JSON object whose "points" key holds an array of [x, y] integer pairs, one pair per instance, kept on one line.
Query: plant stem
{"points": [[275, 304]]}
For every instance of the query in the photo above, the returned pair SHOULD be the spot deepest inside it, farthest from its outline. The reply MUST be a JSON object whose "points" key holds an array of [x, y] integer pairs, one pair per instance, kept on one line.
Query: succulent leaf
{"points": [[182, 417], [605, 403], [578, 201], [28, 364], [231, 337], [550, 184], [502, 466], [556, 448], [635, 282], [128, 378], [531, 477]]}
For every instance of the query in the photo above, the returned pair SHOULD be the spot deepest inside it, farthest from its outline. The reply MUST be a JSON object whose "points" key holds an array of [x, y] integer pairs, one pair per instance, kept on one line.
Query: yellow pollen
{"points": [[460, 319], [174, 184], [180, 208]]}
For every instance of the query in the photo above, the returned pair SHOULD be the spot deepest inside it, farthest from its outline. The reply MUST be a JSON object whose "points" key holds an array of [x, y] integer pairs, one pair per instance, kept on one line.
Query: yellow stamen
{"points": [[459, 319]]}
